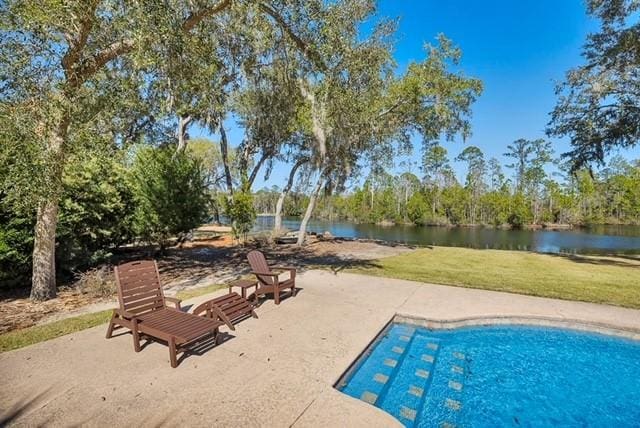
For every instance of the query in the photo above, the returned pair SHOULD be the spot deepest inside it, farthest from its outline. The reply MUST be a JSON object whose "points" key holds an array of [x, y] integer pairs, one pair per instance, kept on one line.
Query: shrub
{"points": [[417, 208], [98, 282], [520, 213], [170, 192], [242, 214], [16, 246], [95, 213]]}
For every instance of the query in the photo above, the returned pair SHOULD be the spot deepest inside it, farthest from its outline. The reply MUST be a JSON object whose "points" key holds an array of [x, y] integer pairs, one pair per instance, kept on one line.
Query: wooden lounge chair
{"points": [[268, 280], [143, 310]]}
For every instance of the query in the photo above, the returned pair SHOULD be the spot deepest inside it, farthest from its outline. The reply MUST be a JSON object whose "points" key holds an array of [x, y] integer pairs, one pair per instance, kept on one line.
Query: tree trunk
{"points": [[183, 125], [307, 215], [371, 198], [43, 279], [256, 168], [224, 151], [43, 282], [277, 222]]}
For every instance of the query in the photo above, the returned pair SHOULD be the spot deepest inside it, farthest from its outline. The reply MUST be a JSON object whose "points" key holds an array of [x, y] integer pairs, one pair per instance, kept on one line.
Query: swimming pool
{"points": [[499, 376]]}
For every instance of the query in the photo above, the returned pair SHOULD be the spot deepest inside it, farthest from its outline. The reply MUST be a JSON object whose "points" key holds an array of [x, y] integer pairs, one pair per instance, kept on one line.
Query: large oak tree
{"points": [[57, 61]]}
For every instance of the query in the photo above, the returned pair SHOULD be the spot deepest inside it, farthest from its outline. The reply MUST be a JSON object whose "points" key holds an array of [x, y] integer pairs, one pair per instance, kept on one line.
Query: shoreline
{"points": [[505, 226]]}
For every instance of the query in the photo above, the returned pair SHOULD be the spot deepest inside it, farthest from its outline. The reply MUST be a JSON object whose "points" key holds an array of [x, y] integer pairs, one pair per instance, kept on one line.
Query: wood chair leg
{"points": [[136, 336], [276, 295], [110, 328], [172, 352]]}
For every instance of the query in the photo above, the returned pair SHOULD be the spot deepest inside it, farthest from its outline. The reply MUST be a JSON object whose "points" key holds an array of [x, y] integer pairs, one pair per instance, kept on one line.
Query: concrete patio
{"points": [[277, 370]]}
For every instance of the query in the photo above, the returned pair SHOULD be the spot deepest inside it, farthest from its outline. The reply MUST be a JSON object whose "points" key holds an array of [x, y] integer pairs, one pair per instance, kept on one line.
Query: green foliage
{"points": [[16, 245], [597, 108], [417, 208], [95, 217], [170, 194], [95, 212], [519, 212], [530, 158], [241, 212]]}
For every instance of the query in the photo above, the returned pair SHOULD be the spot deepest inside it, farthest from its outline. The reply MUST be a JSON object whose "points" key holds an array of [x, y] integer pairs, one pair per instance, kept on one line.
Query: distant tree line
{"points": [[489, 194]]}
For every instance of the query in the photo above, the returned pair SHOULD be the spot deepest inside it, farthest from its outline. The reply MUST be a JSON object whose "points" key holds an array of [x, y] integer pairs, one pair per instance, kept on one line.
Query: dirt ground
{"points": [[195, 264]]}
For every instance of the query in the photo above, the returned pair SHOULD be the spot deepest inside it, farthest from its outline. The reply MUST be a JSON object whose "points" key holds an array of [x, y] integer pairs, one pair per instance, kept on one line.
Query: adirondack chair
{"points": [[144, 311], [268, 280]]}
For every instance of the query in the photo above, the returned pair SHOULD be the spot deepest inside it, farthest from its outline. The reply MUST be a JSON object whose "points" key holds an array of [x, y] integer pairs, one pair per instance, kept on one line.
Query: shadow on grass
{"points": [[626, 261]]}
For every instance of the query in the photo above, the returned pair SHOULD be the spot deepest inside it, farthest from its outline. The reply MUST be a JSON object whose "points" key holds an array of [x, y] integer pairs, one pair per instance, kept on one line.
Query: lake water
{"points": [[593, 240]]}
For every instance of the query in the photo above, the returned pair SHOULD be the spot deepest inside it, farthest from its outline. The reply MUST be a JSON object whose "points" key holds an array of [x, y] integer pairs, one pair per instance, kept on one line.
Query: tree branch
{"points": [[78, 41], [100, 59], [300, 44], [256, 168], [391, 109], [292, 173], [196, 17], [116, 49], [224, 151]]}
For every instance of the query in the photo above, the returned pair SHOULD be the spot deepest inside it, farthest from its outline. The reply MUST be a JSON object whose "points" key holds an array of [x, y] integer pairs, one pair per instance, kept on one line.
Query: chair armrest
{"points": [[265, 273], [124, 314], [174, 300], [289, 268]]}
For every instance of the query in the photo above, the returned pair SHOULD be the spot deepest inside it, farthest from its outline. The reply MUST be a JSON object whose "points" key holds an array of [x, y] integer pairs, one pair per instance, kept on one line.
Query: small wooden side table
{"points": [[244, 284]]}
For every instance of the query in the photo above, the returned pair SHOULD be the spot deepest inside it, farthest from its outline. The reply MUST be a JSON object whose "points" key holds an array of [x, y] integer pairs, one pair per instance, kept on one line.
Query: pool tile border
{"points": [[566, 323]]}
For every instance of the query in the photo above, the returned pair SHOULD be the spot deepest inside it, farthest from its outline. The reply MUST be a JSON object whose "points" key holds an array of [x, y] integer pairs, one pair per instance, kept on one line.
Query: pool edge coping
{"points": [[526, 320]]}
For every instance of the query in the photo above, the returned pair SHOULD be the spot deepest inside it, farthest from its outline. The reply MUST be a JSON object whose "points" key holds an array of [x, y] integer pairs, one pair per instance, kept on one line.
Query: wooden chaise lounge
{"points": [[143, 310], [268, 280]]}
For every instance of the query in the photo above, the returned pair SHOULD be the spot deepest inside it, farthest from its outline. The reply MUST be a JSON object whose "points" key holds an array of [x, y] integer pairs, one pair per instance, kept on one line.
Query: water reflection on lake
{"points": [[594, 240]]}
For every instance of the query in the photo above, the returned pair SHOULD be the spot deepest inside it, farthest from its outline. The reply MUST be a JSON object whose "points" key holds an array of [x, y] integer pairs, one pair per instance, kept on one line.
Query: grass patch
{"points": [[608, 280], [39, 333]]}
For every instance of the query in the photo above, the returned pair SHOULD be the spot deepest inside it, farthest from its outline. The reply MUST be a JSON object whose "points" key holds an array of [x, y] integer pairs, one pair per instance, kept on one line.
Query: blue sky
{"points": [[519, 49]]}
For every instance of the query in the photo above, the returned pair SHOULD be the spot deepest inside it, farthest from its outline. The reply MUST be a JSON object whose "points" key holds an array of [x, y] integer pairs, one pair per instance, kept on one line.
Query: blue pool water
{"points": [[500, 376]]}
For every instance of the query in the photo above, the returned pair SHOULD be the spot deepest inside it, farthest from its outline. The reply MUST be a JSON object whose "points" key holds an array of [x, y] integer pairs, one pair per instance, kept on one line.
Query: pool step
{"points": [[445, 406], [413, 377], [372, 378], [409, 388]]}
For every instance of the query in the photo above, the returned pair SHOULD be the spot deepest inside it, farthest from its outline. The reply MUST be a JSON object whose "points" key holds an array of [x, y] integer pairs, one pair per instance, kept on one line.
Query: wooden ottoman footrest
{"points": [[229, 308]]}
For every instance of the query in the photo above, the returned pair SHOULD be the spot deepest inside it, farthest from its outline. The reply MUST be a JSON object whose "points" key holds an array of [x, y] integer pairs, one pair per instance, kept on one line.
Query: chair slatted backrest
{"points": [[259, 264], [139, 289]]}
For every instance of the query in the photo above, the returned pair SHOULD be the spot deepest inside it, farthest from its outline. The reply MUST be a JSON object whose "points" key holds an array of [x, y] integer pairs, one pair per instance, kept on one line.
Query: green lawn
{"points": [[610, 280], [39, 333]]}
